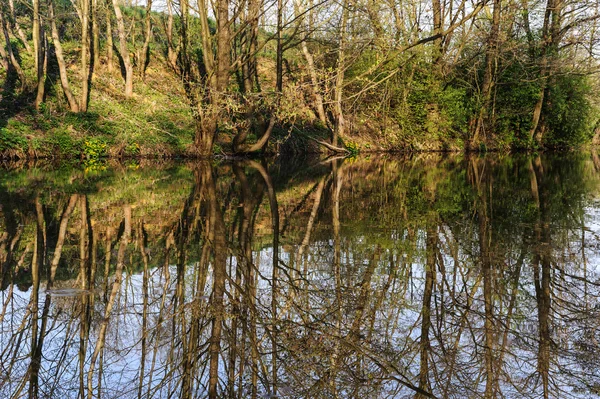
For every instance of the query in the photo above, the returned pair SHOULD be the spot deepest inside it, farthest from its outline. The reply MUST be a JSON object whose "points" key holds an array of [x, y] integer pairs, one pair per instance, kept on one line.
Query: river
{"points": [[425, 276]]}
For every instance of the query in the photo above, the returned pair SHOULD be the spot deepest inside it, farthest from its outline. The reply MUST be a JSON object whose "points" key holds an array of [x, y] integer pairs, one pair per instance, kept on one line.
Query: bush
{"points": [[516, 93], [568, 111]]}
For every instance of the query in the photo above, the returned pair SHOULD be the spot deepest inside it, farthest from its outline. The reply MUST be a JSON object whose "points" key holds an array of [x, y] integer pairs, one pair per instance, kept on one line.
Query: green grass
{"points": [[156, 122]]}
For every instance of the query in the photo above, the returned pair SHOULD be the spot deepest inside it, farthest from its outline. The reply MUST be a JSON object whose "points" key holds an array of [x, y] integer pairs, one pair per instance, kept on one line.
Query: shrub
{"points": [[568, 111]]}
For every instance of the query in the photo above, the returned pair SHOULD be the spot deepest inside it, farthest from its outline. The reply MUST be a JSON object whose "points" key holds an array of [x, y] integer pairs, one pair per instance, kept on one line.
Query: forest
{"points": [[95, 78]]}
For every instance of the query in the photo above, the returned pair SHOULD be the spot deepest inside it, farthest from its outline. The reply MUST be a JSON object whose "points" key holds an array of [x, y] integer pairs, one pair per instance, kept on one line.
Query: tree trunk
{"points": [[238, 141], [11, 55], [109, 39], [310, 65], [437, 30], [4, 58], [491, 57], [279, 61], [145, 58], [249, 81], [124, 51], [430, 278], [62, 68], [219, 83], [250, 44], [223, 48], [315, 86], [340, 123], [172, 52], [39, 51], [85, 50], [20, 32], [95, 35], [206, 82], [551, 34]]}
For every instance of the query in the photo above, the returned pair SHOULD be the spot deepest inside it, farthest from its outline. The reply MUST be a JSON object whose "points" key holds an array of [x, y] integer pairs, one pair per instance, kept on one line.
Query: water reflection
{"points": [[429, 277]]}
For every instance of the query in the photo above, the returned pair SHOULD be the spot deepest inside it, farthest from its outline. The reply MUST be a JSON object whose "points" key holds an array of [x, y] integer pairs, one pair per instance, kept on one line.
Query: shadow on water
{"points": [[429, 277]]}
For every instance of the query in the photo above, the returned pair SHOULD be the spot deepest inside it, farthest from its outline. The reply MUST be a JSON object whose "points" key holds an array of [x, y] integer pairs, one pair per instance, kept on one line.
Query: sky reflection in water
{"points": [[433, 276]]}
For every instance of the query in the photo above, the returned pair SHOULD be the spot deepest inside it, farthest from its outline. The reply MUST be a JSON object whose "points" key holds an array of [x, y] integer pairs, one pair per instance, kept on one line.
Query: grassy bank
{"points": [[155, 122]]}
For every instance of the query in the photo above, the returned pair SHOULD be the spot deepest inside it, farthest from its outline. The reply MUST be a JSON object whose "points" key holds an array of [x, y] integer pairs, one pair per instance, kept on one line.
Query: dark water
{"points": [[432, 276]]}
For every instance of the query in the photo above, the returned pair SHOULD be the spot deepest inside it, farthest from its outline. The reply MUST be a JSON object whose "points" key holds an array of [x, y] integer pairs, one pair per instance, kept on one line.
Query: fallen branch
{"points": [[330, 146]]}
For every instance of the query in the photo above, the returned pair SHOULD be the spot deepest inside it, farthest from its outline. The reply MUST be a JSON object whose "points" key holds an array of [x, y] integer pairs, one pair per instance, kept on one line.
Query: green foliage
{"points": [[94, 166], [442, 111], [516, 93], [95, 148], [63, 143], [569, 112], [457, 108], [12, 140], [89, 123], [352, 147], [132, 149]]}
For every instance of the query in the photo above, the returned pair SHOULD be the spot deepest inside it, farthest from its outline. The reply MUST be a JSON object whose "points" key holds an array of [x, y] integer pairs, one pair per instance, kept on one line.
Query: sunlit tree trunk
{"points": [[172, 50], [39, 53], [249, 49], [145, 58], [62, 68], [205, 85], [11, 56], [85, 55], [310, 63], [437, 31], [124, 50], [109, 37], [95, 48], [4, 58], [279, 60], [20, 33]]}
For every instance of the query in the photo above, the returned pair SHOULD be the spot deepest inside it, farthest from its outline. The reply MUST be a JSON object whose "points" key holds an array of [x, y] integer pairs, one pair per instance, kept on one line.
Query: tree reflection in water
{"points": [[429, 277]]}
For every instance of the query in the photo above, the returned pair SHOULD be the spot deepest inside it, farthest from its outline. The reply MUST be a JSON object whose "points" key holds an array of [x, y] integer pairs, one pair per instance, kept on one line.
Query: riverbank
{"points": [[157, 123]]}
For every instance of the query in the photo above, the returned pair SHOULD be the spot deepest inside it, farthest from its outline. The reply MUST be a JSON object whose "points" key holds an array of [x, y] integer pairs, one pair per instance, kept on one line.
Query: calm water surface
{"points": [[440, 277]]}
